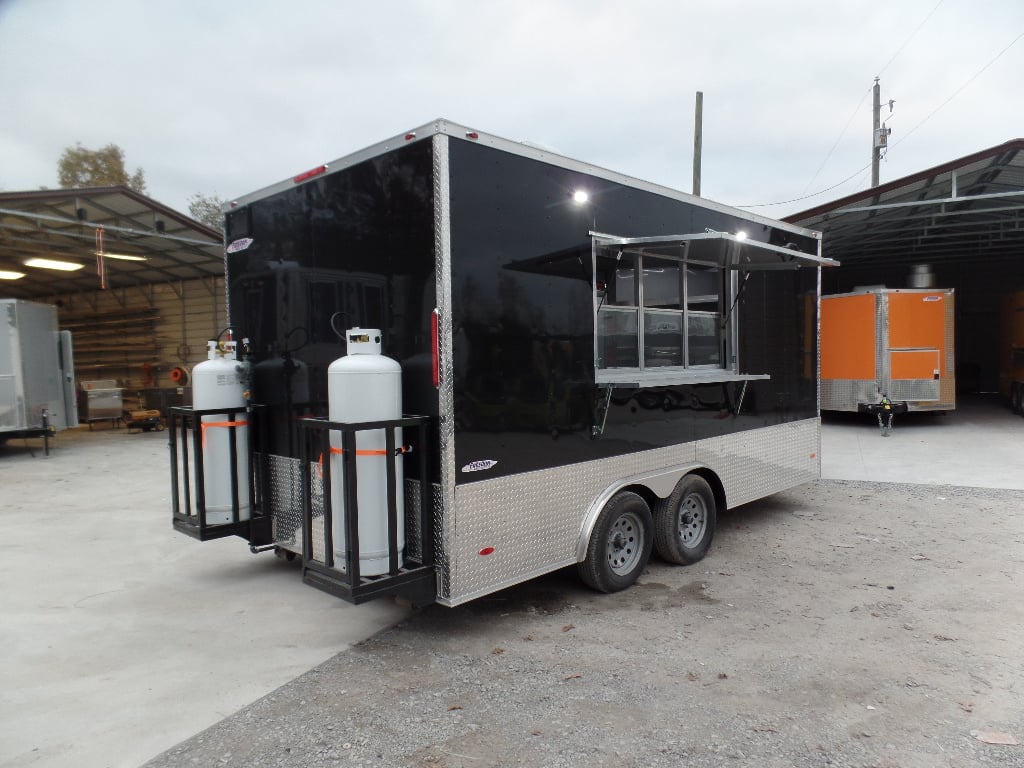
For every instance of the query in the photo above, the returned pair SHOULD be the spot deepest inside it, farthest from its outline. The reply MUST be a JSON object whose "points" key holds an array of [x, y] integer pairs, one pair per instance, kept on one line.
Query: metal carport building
{"points": [[144, 309], [964, 219]]}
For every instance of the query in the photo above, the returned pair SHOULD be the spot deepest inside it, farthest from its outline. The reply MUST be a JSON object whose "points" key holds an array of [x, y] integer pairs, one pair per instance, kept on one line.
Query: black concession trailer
{"points": [[590, 367]]}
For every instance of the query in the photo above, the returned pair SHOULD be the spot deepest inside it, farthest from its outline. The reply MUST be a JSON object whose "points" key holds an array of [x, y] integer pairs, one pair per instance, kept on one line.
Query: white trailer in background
{"points": [[37, 375]]}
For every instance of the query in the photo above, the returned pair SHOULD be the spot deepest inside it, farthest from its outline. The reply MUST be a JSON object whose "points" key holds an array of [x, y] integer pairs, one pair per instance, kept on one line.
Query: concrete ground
{"points": [[979, 445], [122, 637]]}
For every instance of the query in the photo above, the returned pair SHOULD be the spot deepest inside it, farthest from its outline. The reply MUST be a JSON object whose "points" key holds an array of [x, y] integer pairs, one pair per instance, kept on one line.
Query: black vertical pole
{"points": [[390, 474], [171, 435], [351, 512], [426, 503], [324, 441], [233, 463], [197, 451], [306, 478]]}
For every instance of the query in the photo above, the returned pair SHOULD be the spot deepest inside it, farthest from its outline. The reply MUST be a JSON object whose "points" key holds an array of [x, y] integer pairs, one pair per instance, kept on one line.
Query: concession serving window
{"points": [[664, 307]]}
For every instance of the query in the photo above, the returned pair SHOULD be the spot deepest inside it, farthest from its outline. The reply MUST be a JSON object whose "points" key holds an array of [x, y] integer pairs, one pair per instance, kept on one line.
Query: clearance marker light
{"points": [[410, 136], [472, 135], [486, 551], [310, 174]]}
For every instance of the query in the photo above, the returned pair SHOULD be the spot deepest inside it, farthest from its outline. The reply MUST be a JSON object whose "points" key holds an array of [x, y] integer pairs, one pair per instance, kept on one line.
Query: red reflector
{"points": [[435, 349], [310, 174], [487, 551], [410, 136], [472, 135]]}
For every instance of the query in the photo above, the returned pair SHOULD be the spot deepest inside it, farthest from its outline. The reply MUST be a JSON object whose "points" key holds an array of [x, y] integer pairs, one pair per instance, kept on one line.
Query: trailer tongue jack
{"points": [[885, 409]]}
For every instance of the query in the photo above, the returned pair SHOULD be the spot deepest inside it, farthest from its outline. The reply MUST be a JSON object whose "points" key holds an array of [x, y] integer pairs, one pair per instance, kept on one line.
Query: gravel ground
{"points": [[837, 624]]}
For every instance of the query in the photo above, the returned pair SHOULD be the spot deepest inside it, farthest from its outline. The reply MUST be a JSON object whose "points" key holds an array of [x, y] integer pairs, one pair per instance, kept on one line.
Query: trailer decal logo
{"points": [[239, 245], [476, 466]]}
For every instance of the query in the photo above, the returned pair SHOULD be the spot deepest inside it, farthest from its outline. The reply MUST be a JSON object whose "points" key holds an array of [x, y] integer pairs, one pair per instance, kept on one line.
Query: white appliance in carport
{"points": [[37, 375]]}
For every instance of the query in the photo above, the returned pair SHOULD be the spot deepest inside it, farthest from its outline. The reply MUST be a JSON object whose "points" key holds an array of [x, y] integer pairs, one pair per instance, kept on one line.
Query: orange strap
{"points": [[374, 452], [220, 424], [367, 452]]}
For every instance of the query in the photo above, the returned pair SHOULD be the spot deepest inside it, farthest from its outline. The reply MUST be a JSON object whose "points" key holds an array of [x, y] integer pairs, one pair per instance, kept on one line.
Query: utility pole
{"points": [[698, 119], [879, 136], [876, 149]]}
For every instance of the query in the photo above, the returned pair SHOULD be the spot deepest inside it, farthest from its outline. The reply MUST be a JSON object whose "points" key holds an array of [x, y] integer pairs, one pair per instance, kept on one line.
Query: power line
{"points": [[956, 93], [958, 90], [806, 197], [911, 37], [838, 139], [861, 102]]}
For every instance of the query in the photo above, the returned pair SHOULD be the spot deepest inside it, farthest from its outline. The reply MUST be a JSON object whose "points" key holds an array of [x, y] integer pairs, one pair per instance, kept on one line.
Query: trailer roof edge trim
{"points": [[445, 127], [725, 248]]}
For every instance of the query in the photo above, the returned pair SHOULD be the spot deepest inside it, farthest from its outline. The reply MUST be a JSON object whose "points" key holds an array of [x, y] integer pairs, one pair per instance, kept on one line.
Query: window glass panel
{"points": [[702, 288], [618, 338], [662, 287], [663, 338], [623, 291], [615, 279], [703, 337]]}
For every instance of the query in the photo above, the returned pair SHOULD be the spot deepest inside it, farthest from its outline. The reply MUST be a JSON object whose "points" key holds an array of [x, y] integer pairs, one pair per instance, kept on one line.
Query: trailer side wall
{"points": [[523, 331]]}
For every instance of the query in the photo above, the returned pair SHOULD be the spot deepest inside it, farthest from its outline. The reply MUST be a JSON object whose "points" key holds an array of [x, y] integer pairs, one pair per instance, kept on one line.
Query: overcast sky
{"points": [[227, 96]]}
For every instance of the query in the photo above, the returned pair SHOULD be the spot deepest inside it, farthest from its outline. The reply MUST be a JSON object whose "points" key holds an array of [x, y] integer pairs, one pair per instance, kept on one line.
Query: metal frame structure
{"points": [[64, 224], [971, 207]]}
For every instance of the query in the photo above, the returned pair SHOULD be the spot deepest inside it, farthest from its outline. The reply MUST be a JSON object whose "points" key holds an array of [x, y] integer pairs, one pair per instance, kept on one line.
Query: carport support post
{"points": [[876, 150]]}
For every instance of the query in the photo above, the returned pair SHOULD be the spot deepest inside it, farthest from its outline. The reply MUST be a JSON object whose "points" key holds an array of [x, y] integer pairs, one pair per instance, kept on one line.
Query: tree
{"points": [[82, 167], [207, 209]]}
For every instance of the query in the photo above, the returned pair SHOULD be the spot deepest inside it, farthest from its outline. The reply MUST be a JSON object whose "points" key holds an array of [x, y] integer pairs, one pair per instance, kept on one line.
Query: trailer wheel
{"points": [[620, 544], [1017, 398], [684, 522]]}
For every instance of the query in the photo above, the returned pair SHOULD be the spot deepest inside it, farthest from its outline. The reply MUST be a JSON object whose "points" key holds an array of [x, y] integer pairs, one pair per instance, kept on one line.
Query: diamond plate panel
{"points": [[882, 342], [761, 462], [444, 532], [914, 389], [947, 384], [534, 520], [285, 500], [845, 394], [316, 498]]}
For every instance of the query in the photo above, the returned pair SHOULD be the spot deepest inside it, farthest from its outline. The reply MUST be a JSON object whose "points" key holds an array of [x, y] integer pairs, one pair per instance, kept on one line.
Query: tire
{"points": [[684, 522], [1017, 398], [620, 544]]}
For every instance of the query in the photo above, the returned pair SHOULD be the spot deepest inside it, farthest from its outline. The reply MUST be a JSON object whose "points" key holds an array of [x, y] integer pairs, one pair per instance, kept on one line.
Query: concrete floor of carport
{"points": [[122, 637], [979, 445]]}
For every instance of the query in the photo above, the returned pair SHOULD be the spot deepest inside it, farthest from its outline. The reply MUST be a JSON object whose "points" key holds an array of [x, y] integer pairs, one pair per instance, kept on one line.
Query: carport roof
{"points": [[65, 224], [971, 208]]}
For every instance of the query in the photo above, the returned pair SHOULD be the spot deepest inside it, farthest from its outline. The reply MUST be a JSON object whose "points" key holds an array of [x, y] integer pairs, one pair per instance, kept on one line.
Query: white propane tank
{"points": [[366, 386], [220, 382]]}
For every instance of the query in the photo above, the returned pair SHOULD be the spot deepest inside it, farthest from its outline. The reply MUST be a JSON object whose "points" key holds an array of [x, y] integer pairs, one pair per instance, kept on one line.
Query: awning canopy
{"points": [[971, 208], [721, 249], [69, 226]]}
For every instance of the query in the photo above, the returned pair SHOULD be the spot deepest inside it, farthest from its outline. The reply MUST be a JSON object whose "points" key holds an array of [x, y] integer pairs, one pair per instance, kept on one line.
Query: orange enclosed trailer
{"points": [[1011, 350], [888, 345]]}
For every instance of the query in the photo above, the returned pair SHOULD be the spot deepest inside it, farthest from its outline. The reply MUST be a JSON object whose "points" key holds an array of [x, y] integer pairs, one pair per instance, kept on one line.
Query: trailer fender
{"points": [[661, 483]]}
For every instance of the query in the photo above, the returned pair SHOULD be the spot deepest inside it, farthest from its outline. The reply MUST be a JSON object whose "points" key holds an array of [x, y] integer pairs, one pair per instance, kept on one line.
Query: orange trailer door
{"points": [[917, 321], [848, 337]]}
